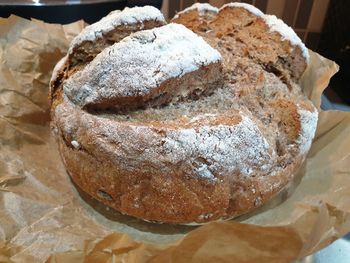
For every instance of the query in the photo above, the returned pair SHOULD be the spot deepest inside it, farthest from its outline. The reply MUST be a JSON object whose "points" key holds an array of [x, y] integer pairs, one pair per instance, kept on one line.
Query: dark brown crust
{"points": [[148, 191], [195, 21], [144, 196], [108, 169], [278, 55]]}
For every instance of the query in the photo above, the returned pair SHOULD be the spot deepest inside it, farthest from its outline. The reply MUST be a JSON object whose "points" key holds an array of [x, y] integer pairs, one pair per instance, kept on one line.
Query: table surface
{"points": [[337, 252]]}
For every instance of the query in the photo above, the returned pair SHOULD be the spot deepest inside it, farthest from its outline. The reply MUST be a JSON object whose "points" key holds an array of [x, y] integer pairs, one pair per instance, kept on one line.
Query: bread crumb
{"points": [[75, 144]]}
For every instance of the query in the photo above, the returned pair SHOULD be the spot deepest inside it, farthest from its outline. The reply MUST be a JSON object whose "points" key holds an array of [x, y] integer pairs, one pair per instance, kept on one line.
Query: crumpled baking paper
{"points": [[43, 217]]}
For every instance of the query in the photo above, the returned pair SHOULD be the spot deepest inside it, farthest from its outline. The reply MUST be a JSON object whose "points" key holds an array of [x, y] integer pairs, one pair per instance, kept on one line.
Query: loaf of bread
{"points": [[197, 120]]}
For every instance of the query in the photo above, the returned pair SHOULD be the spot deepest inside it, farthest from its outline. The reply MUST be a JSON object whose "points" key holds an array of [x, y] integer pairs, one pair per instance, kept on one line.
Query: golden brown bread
{"points": [[211, 152]]}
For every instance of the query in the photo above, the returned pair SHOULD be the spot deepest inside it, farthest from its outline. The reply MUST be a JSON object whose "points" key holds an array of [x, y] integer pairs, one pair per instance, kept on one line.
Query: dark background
{"points": [[67, 13], [332, 42]]}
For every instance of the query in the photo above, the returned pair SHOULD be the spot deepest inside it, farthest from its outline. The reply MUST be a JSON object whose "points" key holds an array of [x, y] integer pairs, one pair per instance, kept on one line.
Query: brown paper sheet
{"points": [[44, 218]]}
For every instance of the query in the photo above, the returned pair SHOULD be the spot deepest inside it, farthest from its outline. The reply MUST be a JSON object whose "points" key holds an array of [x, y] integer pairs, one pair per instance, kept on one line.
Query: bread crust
{"points": [[118, 171], [191, 169]]}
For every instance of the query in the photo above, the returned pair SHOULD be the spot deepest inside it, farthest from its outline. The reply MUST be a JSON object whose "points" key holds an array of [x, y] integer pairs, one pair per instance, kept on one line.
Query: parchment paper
{"points": [[43, 217]]}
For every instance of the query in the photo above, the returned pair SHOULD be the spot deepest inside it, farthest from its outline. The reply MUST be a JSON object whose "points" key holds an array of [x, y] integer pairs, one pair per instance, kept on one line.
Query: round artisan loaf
{"points": [[170, 125]]}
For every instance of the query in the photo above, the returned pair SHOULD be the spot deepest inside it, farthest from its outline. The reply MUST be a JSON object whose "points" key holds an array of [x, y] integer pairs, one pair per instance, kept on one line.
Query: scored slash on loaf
{"points": [[183, 123]]}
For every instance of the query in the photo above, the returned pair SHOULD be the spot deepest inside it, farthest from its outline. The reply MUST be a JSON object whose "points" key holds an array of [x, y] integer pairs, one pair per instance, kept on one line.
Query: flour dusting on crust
{"points": [[139, 63], [224, 148], [286, 32], [252, 9], [209, 151], [202, 8], [308, 123], [116, 18]]}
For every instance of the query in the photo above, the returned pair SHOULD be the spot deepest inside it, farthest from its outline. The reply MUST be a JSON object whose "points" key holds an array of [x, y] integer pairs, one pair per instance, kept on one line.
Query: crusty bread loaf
{"points": [[163, 127]]}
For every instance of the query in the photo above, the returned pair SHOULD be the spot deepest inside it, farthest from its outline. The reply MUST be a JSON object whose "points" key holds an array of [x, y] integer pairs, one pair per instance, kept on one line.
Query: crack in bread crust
{"points": [[206, 155]]}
